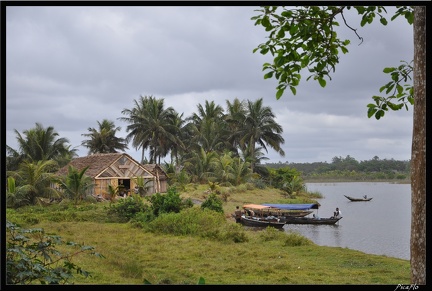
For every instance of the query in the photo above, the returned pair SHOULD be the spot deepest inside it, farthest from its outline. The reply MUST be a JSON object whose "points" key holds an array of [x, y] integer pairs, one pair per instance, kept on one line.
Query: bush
{"points": [[32, 257], [190, 221], [295, 239], [213, 203], [126, 209]]}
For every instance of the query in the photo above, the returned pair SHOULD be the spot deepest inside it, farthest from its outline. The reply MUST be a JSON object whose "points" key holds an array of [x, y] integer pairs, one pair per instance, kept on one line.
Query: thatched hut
{"points": [[116, 169]]}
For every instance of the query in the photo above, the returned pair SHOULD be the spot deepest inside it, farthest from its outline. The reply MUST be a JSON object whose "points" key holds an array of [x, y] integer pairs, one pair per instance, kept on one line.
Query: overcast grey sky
{"points": [[69, 67]]}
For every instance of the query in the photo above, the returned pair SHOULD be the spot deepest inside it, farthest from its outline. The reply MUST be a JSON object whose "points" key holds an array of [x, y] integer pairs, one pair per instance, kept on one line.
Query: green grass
{"points": [[220, 251]]}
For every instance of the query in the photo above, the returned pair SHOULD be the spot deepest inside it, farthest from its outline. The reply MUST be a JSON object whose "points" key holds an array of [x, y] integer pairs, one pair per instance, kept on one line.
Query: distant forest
{"points": [[349, 168]]}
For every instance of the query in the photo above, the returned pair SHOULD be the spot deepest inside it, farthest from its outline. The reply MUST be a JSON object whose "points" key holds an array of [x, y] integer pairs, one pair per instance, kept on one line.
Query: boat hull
{"points": [[260, 222], [308, 220], [357, 199]]}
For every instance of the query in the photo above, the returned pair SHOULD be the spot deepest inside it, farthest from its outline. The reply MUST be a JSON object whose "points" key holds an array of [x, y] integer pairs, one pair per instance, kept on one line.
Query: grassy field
{"points": [[134, 255]]}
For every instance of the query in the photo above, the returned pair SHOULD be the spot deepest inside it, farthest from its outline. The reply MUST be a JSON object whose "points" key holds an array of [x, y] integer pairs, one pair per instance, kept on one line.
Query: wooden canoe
{"points": [[261, 222], [310, 220], [358, 199]]}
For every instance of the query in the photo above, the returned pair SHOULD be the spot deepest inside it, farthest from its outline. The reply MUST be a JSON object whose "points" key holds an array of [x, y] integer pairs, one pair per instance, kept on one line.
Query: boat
{"points": [[358, 199], [261, 222], [256, 215], [301, 220], [310, 220], [293, 210]]}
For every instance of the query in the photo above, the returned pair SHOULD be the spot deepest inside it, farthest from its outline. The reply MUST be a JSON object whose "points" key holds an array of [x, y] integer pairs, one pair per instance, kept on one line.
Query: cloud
{"points": [[71, 66]]}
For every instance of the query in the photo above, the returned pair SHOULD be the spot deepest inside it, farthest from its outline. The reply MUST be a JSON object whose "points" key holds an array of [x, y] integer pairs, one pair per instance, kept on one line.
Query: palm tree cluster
{"points": [[211, 144]]}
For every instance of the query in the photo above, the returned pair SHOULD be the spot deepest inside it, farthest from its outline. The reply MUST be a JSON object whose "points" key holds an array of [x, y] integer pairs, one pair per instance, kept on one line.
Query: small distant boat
{"points": [[358, 199]]}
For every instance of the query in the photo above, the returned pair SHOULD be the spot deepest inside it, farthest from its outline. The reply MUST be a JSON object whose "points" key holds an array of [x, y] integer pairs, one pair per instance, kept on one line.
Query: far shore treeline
{"points": [[349, 169]]}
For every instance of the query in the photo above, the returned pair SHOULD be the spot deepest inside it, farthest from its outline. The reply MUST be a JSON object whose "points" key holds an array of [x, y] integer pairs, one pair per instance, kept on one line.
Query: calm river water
{"points": [[380, 226]]}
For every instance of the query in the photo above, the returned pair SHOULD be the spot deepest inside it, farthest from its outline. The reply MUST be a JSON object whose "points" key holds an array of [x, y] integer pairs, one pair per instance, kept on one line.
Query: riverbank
{"points": [[224, 256]]}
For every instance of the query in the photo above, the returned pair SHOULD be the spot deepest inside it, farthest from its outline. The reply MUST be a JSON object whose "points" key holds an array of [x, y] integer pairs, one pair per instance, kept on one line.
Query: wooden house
{"points": [[161, 177], [115, 169]]}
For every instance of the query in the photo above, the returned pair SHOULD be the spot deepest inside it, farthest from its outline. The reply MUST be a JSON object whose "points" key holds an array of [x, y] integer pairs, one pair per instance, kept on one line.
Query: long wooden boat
{"points": [[358, 199], [310, 220], [261, 222], [295, 210]]}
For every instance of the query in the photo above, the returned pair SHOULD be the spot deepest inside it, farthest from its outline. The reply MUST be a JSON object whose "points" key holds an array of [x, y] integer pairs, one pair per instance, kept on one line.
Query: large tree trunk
{"points": [[418, 152]]}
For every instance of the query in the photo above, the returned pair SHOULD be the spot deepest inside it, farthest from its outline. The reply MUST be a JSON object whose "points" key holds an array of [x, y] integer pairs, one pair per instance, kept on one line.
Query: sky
{"points": [[71, 66]]}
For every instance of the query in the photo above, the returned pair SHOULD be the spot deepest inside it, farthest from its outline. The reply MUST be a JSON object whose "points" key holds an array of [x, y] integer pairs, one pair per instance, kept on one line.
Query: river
{"points": [[381, 226]]}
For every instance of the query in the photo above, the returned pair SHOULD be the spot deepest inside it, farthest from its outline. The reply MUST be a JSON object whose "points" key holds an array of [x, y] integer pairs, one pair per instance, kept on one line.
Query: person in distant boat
{"points": [[365, 197], [316, 216], [337, 213], [251, 213], [238, 214]]}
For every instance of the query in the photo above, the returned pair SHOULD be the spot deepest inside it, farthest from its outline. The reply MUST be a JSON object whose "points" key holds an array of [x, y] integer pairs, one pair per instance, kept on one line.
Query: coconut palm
{"points": [[235, 117], [34, 180], [104, 139], [76, 184], [260, 128], [38, 144], [15, 196], [208, 128], [152, 127]]}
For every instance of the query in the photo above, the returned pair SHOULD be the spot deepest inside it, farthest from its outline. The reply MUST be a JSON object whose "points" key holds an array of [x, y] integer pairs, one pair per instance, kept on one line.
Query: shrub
{"points": [[271, 233], [190, 221], [295, 239], [32, 257], [125, 209], [213, 203]]}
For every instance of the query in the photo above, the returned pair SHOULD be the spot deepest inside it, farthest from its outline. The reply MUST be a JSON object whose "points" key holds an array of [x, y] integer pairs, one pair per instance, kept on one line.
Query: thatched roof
{"points": [[155, 169], [96, 162]]}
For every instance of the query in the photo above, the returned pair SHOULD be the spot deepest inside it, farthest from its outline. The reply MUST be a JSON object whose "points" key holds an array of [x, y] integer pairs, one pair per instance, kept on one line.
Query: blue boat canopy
{"points": [[294, 206]]}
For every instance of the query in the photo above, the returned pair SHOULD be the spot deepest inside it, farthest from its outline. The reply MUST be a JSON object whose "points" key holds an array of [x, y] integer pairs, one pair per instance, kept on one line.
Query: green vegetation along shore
{"points": [[183, 247]]}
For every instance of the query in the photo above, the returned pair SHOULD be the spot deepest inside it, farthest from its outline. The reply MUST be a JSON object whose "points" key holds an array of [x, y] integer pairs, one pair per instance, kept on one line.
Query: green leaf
{"points": [[344, 49], [383, 21], [371, 111], [293, 90], [322, 82], [389, 88], [266, 22], [389, 70], [279, 93], [268, 75], [409, 17]]}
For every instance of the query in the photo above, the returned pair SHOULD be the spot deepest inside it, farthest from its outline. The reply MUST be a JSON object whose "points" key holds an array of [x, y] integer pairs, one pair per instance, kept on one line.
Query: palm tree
{"points": [[260, 128], [104, 140], [76, 184], [151, 126], [201, 166], [207, 128], [235, 117], [34, 180], [15, 196], [38, 144]]}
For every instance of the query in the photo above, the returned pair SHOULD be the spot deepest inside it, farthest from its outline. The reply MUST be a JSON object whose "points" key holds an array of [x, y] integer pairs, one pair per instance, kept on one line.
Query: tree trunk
{"points": [[418, 152]]}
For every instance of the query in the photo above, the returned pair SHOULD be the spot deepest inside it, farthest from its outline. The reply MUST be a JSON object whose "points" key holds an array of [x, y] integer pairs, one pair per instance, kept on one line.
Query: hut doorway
{"points": [[124, 187]]}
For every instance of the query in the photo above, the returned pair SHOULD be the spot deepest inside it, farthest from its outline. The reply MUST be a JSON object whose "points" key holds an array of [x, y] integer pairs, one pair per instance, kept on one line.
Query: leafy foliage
{"points": [[76, 184], [104, 140], [32, 182], [304, 39], [168, 202], [32, 257], [126, 209], [213, 202]]}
